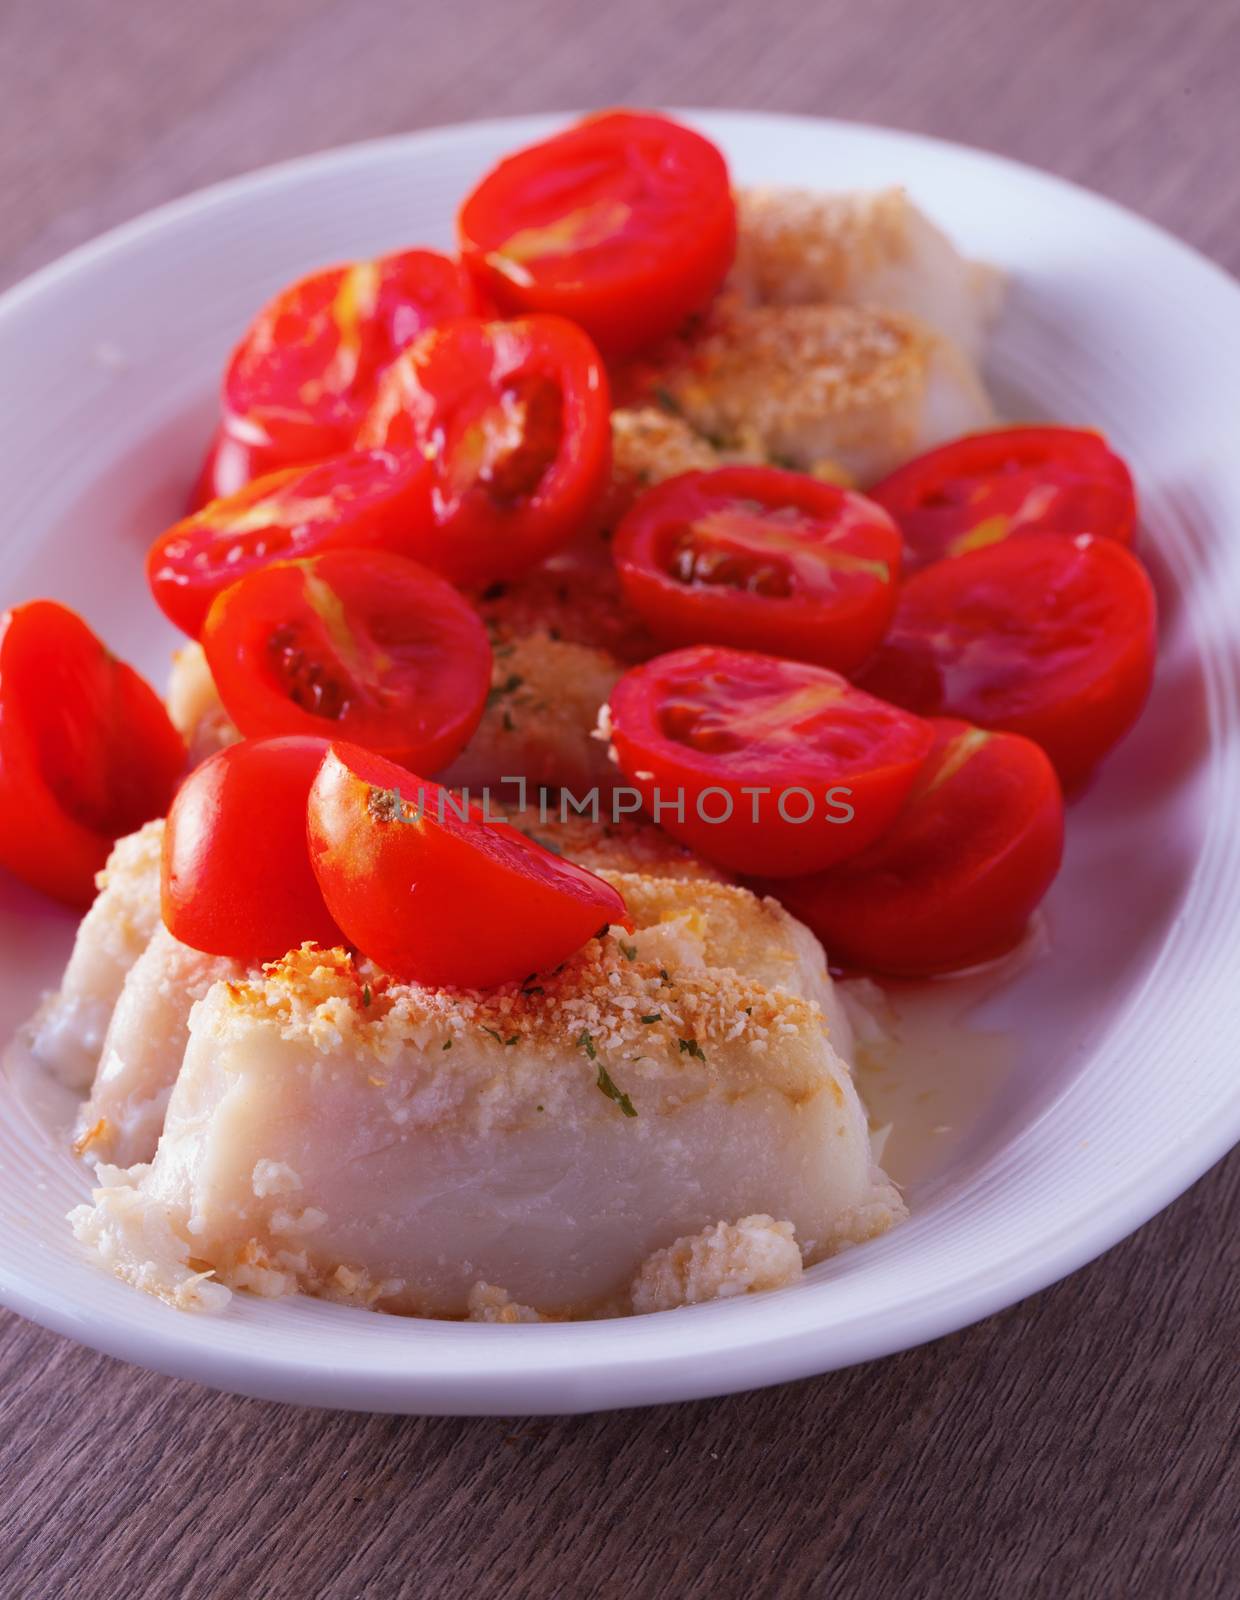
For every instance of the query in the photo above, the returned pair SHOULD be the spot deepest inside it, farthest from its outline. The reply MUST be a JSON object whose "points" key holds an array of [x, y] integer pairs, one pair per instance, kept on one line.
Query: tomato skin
{"points": [[87, 753], [301, 378], [955, 879], [776, 561], [986, 487], [358, 642], [708, 719], [1051, 637], [229, 465], [624, 223], [235, 876], [515, 420], [441, 900], [357, 500]]}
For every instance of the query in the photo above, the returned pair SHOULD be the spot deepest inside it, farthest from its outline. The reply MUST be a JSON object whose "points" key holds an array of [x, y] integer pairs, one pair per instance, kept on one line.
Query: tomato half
{"points": [[356, 642], [236, 878], [983, 488], [87, 753], [302, 377], [766, 766], [228, 466], [624, 222], [955, 879], [514, 418], [1047, 636], [438, 898], [764, 560], [362, 498]]}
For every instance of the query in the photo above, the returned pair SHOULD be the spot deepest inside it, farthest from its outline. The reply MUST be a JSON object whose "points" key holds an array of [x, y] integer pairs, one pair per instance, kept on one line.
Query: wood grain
{"points": [[1083, 1443]]}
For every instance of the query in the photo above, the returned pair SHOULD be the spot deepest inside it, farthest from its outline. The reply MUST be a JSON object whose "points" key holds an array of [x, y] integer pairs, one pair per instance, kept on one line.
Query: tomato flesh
{"points": [[356, 643], [87, 753], [983, 488], [955, 879], [830, 764], [624, 223], [438, 898], [359, 499], [762, 560], [1043, 635], [236, 878], [514, 421], [301, 379]]}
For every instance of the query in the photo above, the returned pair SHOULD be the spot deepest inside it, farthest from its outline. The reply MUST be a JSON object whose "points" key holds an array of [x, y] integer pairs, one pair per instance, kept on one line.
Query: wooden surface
{"points": [[1082, 1443]]}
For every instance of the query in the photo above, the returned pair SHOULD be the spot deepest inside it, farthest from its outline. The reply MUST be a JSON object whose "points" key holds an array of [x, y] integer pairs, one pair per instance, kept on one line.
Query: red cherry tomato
{"points": [[302, 377], [229, 465], [236, 877], [625, 223], [514, 419], [87, 753], [1042, 635], [356, 642], [362, 498], [763, 560], [437, 898], [983, 488], [955, 879], [766, 766]]}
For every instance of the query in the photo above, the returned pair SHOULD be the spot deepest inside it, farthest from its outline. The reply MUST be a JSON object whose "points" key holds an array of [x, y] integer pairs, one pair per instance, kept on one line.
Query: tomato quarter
{"points": [[514, 418], [763, 560], [372, 497], [983, 488], [955, 879], [236, 877], [438, 898], [1043, 635], [355, 642], [624, 222], [765, 766], [87, 753]]}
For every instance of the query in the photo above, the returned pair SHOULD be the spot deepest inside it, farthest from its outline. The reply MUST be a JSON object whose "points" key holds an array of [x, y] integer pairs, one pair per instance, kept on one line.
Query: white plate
{"points": [[1123, 1088]]}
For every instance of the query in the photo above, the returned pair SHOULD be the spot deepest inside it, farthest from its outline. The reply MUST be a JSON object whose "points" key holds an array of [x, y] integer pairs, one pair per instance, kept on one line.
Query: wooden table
{"points": [[1082, 1443]]}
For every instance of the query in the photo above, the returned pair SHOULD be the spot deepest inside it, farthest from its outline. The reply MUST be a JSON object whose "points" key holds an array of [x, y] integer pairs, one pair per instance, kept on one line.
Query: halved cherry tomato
{"points": [[1043, 635], [764, 560], [987, 486], [228, 466], [766, 766], [514, 418], [438, 898], [359, 499], [302, 377], [236, 878], [955, 879], [624, 222], [87, 753], [356, 642]]}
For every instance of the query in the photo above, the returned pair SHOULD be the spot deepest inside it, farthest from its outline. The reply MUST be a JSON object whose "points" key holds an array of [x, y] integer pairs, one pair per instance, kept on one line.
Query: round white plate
{"points": [[1122, 1088]]}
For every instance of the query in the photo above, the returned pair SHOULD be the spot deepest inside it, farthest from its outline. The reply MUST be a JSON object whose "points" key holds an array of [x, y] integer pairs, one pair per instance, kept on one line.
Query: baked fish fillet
{"points": [[565, 1147]]}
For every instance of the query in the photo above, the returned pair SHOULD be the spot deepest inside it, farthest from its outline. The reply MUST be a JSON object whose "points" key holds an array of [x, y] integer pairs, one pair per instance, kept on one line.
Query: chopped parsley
{"points": [[605, 1083], [498, 1037], [690, 1047], [513, 681], [655, 1016], [628, 951], [447, 1044], [585, 1041], [366, 994]]}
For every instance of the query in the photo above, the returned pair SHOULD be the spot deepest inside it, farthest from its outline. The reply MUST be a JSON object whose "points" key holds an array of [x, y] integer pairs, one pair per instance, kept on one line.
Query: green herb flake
{"points": [[655, 1016], [628, 951], [447, 1044], [513, 681], [585, 1041], [367, 997], [690, 1047], [610, 1090]]}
